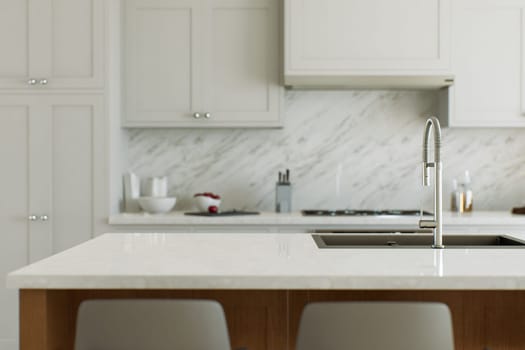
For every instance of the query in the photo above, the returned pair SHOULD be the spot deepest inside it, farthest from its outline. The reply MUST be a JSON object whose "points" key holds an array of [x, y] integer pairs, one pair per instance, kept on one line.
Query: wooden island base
{"points": [[263, 319]]}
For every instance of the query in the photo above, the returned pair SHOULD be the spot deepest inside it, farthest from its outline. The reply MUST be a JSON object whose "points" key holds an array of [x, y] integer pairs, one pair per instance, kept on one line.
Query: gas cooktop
{"points": [[362, 212]]}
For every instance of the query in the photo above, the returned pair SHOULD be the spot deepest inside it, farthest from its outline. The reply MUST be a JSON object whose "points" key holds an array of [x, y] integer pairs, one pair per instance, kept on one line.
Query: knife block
{"points": [[283, 197]]}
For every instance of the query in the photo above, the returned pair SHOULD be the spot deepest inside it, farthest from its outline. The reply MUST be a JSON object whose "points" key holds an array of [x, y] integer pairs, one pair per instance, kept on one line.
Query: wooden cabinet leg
{"points": [[47, 319], [33, 320]]}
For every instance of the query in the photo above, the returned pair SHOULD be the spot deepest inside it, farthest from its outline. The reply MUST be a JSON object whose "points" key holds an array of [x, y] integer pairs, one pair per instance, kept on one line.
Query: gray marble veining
{"points": [[345, 149]]}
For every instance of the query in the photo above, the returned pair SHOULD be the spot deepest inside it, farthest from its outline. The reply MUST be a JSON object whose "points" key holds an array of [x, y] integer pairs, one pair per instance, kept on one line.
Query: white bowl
{"points": [[203, 203], [157, 205]]}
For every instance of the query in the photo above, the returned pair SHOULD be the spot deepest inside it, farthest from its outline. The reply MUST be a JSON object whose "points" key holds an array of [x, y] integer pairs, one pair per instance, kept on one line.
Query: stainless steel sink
{"points": [[403, 241]]}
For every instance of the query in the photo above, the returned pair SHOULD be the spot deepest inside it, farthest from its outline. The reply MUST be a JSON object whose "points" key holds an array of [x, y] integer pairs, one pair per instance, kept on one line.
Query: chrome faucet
{"points": [[437, 224]]}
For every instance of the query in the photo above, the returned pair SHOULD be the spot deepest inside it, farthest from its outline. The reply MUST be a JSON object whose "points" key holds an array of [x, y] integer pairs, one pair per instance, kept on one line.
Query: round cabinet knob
{"points": [[43, 82], [196, 115], [32, 218], [207, 115], [44, 217], [31, 82]]}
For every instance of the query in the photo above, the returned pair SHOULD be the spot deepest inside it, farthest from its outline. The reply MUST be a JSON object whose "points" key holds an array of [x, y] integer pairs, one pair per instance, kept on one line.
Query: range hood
{"points": [[367, 44]]}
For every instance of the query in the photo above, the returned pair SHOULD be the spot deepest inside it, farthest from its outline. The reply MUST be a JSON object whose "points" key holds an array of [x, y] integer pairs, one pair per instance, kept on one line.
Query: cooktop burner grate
{"points": [[364, 212]]}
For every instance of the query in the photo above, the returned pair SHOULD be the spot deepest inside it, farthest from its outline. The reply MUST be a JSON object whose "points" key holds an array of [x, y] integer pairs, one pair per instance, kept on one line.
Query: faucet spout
{"points": [[432, 127]]}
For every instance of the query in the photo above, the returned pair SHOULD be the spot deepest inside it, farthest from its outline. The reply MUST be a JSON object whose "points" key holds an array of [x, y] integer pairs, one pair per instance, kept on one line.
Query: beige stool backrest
{"points": [[375, 326], [151, 325]]}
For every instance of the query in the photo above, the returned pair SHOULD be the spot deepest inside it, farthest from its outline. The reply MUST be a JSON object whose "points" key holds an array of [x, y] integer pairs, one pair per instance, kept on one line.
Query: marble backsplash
{"points": [[345, 149]]}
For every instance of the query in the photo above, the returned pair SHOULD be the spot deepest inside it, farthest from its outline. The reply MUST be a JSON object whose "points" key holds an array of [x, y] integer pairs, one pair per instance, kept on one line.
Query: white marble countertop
{"points": [[266, 261], [489, 218]]}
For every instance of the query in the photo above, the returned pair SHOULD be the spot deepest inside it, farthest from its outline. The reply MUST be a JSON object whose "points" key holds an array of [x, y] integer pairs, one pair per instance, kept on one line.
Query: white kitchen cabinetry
{"points": [[488, 60], [202, 63], [52, 154], [48, 44], [367, 43]]}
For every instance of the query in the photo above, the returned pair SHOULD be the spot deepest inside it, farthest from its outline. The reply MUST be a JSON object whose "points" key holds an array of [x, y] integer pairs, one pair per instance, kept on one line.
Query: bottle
{"points": [[457, 198], [467, 190]]}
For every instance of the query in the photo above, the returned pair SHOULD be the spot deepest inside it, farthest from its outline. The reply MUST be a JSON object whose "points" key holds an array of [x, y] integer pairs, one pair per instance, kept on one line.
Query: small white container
{"points": [[131, 193], [204, 202], [157, 205], [155, 187]]}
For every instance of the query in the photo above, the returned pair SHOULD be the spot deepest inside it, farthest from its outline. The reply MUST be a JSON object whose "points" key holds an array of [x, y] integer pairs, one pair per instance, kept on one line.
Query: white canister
{"points": [[155, 187], [131, 193]]}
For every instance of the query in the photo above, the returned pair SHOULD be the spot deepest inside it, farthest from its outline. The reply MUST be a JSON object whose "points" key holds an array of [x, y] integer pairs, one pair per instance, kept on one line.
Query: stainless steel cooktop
{"points": [[365, 212]]}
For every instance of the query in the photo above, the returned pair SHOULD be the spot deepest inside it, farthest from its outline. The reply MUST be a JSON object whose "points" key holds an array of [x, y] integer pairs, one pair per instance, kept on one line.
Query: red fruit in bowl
{"points": [[213, 209], [207, 194]]}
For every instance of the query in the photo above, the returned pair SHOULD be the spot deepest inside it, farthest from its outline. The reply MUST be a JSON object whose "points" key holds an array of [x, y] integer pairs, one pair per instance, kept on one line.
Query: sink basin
{"points": [[403, 241]]}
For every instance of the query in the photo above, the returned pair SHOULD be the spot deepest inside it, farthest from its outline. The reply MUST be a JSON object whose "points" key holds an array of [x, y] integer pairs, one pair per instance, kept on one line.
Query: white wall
{"points": [[356, 149]]}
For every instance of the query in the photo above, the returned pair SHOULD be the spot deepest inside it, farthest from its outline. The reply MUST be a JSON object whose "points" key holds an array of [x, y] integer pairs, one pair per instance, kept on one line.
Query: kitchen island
{"points": [[264, 280]]}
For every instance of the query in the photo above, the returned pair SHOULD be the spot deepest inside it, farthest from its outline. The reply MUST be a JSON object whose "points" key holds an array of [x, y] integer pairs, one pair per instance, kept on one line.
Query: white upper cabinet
{"points": [[201, 63], [242, 62], [367, 43], [488, 60], [14, 42], [49, 44], [163, 60]]}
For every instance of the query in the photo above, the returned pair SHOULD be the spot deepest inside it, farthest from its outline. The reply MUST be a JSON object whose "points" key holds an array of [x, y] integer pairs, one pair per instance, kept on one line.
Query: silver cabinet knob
{"points": [[196, 115], [32, 218], [43, 81], [44, 217], [207, 115], [31, 82]]}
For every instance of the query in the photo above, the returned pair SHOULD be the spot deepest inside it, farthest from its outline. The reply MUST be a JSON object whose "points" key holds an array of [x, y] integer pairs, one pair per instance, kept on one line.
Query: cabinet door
{"points": [[75, 53], [351, 36], [488, 59], [27, 186], [40, 178], [242, 64], [55, 43], [78, 168], [163, 60], [14, 206], [14, 43]]}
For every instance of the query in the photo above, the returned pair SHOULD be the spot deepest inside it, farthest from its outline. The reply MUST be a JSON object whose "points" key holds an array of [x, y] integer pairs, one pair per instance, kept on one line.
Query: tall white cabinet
{"points": [[202, 63], [489, 63], [48, 44], [53, 134]]}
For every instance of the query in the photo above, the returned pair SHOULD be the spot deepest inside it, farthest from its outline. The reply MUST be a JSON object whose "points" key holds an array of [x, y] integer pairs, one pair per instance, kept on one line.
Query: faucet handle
{"points": [[427, 224]]}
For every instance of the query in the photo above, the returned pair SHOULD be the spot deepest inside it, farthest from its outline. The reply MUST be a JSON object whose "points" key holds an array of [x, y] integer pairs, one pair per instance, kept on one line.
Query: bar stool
{"points": [[375, 326], [138, 324]]}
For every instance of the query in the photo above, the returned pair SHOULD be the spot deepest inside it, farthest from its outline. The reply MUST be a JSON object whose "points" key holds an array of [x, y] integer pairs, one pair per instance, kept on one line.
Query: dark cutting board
{"points": [[225, 213]]}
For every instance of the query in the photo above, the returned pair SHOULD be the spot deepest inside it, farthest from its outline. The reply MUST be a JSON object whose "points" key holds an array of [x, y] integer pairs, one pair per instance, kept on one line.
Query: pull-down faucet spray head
{"points": [[432, 125]]}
